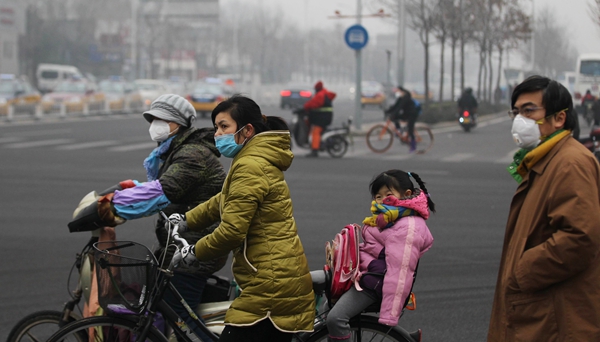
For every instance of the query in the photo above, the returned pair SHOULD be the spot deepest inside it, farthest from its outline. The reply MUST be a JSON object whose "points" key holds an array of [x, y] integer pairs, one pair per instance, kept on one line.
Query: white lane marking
{"points": [[508, 158], [458, 157], [88, 145], [9, 139], [39, 143], [141, 146], [62, 131]]}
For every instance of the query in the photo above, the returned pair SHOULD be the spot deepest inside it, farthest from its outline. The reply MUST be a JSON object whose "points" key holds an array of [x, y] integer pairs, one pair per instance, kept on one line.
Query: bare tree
{"points": [[421, 21], [553, 52], [512, 28], [594, 11], [441, 24]]}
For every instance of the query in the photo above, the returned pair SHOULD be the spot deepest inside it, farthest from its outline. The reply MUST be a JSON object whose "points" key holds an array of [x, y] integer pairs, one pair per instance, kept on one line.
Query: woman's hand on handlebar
{"points": [[185, 257], [179, 220]]}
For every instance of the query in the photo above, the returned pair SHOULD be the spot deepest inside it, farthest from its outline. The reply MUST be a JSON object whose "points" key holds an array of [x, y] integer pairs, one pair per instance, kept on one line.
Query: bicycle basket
{"points": [[126, 272]]}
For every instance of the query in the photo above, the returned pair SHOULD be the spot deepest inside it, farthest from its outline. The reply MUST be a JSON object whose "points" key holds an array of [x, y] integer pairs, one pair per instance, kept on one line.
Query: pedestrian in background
{"points": [[548, 286]]}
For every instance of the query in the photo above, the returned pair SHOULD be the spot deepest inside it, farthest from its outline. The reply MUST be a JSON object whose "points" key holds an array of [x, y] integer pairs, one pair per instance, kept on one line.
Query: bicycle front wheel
{"points": [[37, 326], [380, 138], [370, 330], [424, 138], [105, 329]]}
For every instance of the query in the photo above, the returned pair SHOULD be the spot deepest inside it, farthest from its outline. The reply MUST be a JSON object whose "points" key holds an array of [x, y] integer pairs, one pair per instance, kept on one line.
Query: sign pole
{"points": [[358, 88]]}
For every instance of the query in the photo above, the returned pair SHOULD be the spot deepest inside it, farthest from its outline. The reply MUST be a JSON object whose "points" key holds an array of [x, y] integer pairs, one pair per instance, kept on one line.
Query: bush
{"points": [[447, 111]]}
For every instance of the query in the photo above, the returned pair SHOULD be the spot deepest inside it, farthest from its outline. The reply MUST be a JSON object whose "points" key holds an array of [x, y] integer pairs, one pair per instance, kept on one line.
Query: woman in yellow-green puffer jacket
{"points": [[258, 225]]}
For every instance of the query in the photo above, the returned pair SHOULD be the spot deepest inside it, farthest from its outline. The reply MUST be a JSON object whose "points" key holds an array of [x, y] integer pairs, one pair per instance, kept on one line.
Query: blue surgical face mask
{"points": [[226, 144]]}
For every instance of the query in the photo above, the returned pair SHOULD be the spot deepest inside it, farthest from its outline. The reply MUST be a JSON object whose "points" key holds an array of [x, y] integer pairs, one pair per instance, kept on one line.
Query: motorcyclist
{"points": [[320, 115], [587, 97], [468, 102], [404, 109]]}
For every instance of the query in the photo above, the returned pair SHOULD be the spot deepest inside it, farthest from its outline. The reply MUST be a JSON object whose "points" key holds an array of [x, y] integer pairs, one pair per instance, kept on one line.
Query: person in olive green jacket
{"points": [[257, 224]]}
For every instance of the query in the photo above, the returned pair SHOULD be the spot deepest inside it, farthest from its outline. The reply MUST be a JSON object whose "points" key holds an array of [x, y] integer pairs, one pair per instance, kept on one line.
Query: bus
{"points": [[587, 75], [568, 78]]}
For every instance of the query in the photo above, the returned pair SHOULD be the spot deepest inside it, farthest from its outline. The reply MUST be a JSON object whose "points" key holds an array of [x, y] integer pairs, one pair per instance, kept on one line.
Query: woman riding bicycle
{"points": [[404, 109], [257, 223]]}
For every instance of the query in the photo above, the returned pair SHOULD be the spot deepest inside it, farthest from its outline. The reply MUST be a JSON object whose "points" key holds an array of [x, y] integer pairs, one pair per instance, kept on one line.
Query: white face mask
{"points": [[159, 130], [525, 132]]}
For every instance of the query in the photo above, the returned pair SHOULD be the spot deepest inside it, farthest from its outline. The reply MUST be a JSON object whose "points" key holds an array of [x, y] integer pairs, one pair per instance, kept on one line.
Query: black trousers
{"points": [[260, 332]]}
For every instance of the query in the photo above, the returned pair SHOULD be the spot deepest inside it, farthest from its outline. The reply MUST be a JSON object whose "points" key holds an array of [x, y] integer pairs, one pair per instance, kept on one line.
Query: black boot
{"points": [[313, 154]]}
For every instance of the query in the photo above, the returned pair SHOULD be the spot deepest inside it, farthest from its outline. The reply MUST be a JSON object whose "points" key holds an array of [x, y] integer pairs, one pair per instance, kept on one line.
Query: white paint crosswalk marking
{"points": [[458, 157], [141, 146], [39, 143], [92, 144], [9, 139]]}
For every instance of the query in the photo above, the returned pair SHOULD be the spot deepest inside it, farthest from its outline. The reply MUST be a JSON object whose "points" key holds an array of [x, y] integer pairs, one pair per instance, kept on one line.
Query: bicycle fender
{"points": [[375, 320]]}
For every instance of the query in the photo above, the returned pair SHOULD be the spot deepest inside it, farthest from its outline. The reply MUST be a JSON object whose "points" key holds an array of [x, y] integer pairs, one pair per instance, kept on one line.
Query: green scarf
{"points": [[524, 159]]}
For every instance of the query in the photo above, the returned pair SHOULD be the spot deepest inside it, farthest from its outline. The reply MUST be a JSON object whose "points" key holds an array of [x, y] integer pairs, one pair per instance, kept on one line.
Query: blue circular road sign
{"points": [[356, 37]]}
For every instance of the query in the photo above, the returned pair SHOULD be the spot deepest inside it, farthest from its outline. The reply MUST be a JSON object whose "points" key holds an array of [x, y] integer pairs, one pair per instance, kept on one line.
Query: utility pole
{"points": [[532, 35], [401, 41], [134, 38]]}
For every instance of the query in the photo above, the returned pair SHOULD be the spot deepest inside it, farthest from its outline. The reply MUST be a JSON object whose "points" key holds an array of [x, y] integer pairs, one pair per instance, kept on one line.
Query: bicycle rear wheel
{"points": [[380, 138], [370, 330], [424, 138], [112, 329], [37, 326]]}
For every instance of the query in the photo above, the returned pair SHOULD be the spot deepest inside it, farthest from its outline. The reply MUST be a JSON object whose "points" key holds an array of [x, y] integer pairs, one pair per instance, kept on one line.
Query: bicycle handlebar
{"points": [[175, 232]]}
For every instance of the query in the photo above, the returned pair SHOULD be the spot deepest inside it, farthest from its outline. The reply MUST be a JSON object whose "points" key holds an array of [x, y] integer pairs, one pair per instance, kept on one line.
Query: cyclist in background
{"points": [[405, 109], [320, 115]]}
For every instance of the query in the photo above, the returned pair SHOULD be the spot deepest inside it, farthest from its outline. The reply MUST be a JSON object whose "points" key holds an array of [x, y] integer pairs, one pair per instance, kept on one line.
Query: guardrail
{"points": [[37, 112]]}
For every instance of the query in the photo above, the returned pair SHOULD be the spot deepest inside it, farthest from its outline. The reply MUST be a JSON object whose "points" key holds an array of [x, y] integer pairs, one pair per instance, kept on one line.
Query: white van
{"points": [[49, 75]]}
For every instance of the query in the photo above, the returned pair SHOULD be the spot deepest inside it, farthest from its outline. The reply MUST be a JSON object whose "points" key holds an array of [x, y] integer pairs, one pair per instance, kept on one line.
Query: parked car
{"points": [[18, 92], [372, 93], [121, 95], [74, 94], [176, 85], [50, 75], [151, 89], [295, 95], [206, 96]]}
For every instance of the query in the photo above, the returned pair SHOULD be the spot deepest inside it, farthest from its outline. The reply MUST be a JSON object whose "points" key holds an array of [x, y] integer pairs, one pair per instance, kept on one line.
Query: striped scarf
{"points": [[384, 216]]}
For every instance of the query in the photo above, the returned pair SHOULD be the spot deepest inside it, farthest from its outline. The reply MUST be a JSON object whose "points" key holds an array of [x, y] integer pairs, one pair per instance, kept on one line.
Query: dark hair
{"points": [[244, 110], [399, 180], [555, 97], [407, 94]]}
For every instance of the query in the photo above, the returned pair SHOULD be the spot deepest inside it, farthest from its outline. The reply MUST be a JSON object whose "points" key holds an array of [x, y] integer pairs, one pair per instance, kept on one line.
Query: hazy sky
{"points": [[572, 14]]}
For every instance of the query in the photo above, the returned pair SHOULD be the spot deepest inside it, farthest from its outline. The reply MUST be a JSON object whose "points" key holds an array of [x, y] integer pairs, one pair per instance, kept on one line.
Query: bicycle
{"points": [[135, 297], [381, 136], [40, 325]]}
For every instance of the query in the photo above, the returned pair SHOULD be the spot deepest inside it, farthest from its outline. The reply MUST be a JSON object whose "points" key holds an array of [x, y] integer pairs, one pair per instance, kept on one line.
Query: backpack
{"points": [[342, 261], [417, 106]]}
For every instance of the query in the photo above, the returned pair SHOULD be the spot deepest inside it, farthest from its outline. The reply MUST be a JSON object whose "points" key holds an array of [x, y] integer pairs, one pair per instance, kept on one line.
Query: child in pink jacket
{"points": [[394, 238]]}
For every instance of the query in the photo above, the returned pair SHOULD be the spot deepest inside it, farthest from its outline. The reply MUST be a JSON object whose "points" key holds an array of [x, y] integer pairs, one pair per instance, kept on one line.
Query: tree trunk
{"points": [[491, 78], [500, 53], [426, 46], [441, 97], [481, 64], [452, 70]]}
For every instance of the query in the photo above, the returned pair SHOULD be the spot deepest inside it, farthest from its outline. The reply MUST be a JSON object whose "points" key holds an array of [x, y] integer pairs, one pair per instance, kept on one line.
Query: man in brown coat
{"points": [[548, 286]]}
